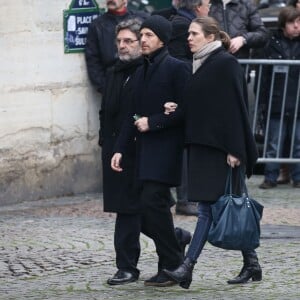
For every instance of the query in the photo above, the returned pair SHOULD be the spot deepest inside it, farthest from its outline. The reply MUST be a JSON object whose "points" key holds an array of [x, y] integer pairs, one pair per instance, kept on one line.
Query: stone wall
{"points": [[48, 110]]}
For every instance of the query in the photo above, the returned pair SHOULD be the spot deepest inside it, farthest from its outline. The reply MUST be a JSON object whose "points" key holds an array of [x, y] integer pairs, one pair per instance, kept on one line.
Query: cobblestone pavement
{"points": [[62, 249]]}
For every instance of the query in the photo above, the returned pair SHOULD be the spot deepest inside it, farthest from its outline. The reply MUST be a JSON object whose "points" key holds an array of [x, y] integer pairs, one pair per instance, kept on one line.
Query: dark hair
{"points": [[287, 14], [133, 24], [189, 4], [210, 26]]}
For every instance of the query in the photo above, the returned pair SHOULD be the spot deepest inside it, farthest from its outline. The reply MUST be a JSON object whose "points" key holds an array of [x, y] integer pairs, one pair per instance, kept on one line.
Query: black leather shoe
{"points": [[122, 277], [160, 279], [184, 238]]}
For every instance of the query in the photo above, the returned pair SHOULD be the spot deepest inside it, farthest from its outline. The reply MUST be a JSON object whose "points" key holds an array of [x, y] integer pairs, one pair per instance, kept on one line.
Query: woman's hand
{"points": [[116, 162], [232, 161], [170, 107]]}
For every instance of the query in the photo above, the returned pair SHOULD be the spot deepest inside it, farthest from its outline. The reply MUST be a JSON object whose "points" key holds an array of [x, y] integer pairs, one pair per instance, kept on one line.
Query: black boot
{"points": [[251, 269], [183, 274]]}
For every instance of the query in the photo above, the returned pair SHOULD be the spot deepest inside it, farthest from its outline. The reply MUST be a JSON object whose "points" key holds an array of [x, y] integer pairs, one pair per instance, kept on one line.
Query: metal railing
{"points": [[260, 108]]}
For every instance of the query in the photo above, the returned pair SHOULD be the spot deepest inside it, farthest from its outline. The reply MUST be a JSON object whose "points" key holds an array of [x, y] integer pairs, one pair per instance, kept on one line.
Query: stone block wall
{"points": [[48, 110]]}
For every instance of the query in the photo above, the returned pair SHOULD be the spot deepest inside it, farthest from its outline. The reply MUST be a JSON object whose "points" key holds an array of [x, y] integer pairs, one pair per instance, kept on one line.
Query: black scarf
{"points": [[154, 58], [117, 79]]}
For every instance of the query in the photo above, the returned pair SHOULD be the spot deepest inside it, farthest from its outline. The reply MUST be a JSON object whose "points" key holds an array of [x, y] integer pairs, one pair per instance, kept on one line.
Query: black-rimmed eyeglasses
{"points": [[125, 41]]}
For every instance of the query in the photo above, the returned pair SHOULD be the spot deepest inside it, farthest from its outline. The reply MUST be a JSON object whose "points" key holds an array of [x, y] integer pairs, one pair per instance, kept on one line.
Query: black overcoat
{"points": [[119, 189], [166, 12], [216, 118], [178, 45], [159, 150]]}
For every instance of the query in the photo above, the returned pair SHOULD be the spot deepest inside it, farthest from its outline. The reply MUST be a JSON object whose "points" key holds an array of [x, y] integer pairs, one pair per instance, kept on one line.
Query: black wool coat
{"points": [[216, 109], [166, 12], [162, 78], [178, 45], [120, 192]]}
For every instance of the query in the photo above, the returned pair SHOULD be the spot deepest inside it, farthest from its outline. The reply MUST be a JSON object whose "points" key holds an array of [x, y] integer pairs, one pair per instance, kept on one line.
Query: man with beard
{"points": [[100, 49], [119, 189]]}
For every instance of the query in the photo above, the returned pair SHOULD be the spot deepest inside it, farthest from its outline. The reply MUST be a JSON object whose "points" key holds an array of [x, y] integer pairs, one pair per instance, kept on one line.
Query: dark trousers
{"points": [[181, 190], [127, 242], [157, 223]]}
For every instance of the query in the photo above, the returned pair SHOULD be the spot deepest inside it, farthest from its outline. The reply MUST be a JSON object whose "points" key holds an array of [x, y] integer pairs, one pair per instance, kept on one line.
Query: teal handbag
{"points": [[236, 219]]}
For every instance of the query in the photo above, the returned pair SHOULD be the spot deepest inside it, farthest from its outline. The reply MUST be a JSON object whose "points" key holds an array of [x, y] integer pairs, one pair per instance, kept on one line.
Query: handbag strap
{"points": [[243, 182], [228, 185]]}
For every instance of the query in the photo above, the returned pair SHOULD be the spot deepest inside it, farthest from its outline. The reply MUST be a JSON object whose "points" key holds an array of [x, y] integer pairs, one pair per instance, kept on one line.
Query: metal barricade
{"points": [[260, 107]]}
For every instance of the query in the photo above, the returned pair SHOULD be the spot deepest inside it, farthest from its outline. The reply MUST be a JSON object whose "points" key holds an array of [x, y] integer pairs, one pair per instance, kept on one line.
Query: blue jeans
{"points": [[201, 231], [272, 169]]}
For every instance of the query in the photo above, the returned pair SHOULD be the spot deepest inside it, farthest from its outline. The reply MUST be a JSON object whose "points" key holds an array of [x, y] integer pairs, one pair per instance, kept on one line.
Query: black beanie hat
{"points": [[160, 26]]}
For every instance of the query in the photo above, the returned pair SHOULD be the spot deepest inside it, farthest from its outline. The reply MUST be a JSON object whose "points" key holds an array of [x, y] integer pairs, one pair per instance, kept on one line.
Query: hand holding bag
{"points": [[236, 219]]}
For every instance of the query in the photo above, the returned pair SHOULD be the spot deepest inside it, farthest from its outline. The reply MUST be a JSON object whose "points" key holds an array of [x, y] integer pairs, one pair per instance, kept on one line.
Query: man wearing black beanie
{"points": [[160, 26], [159, 140]]}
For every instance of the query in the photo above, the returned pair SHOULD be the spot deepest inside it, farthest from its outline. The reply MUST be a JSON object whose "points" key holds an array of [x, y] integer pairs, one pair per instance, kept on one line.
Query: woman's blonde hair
{"points": [[210, 26]]}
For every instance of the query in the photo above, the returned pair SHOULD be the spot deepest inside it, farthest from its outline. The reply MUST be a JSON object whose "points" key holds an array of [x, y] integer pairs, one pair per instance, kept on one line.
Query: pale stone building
{"points": [[48, 110]]}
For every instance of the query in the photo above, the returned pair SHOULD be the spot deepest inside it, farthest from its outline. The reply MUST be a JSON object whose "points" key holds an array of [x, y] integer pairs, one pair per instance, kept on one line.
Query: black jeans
{"points": [[157, 223]]}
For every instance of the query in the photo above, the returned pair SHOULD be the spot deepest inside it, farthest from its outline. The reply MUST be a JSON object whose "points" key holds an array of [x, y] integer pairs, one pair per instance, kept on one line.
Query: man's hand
{"points": [[116, 162], [142, 124], [170, 107], [235, 44]]}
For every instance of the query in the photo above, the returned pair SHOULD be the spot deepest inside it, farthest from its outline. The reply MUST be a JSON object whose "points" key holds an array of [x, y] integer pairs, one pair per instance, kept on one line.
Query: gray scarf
{"points": [[200, 56]]}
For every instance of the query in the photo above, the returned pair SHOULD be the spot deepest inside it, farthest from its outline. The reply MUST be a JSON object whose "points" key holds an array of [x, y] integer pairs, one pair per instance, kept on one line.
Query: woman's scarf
{"points": [[200, 56]]}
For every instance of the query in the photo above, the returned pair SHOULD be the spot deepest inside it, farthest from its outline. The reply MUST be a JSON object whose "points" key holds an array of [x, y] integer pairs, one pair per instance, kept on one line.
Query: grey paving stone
{"points": [[63, 249]]}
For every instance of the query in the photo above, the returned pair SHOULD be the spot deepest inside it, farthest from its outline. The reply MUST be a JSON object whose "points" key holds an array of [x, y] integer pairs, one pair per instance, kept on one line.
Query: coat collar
{"points": [[190, 15], [153, 60]]}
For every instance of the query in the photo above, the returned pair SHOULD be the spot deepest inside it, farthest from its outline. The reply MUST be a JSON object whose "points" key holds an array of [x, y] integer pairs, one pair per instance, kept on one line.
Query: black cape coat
{"points": [[216, 108], [119, 189], [162, 78]]}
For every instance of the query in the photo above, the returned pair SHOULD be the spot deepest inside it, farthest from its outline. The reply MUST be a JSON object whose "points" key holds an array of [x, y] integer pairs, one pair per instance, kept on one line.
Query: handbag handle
{"points": [[243, 185], [228, 184]]}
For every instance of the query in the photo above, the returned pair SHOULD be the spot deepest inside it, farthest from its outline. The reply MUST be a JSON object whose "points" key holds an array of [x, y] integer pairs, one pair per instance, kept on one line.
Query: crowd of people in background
{"points": [[174, 113]]}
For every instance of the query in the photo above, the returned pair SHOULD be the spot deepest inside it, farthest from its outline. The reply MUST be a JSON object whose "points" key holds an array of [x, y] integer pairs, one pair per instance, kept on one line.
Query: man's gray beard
{"points": [[128, 58]]}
